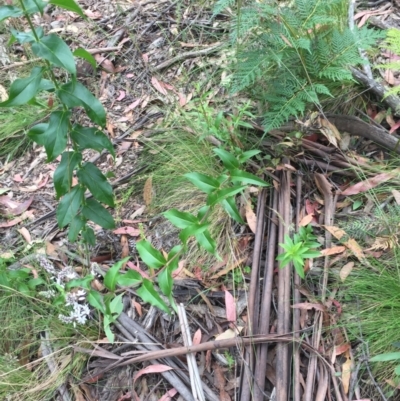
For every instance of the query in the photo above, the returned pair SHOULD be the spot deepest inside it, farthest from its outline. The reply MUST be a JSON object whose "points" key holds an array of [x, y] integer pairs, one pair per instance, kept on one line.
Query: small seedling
{"points": [[298, 249]]}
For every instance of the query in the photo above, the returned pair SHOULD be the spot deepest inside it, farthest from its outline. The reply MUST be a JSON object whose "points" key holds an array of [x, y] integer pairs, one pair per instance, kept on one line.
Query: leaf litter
{"points": [[134, 98]]}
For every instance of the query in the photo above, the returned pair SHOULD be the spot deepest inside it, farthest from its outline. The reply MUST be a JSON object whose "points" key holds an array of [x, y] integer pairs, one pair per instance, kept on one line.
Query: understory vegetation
{"points": [[243, 187]]}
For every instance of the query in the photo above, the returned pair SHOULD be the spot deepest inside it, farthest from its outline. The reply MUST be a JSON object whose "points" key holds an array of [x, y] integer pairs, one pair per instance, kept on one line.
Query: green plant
{"points": [[389, 357], [60, 136], [293, 55], [298, 249], [392, 43], [219, 190]]}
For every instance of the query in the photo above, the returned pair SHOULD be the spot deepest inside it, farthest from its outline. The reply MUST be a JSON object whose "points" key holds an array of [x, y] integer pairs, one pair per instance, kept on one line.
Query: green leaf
{"points": [[150, 255], [91, 138], [230, 207], [228, 160], [97, 183], [68, 5], [397, 370], [56, 134], [53, 49], [82, 53], [9, 11], [116, 306], [208, 243], [88, 236], [75, 227], [173, 260], [80, 282], [180, 219], [24, 89], [74, 94], [96, 300], [299, 267], [201, 214], [165, 281], [247, 178], [192, 231], [148, 293], [391, 356], [69, 206], [107, 330], [62, 177], [95, 212], [37, 133], [34, 6], [110, 279], [248, 155], [203, 182], [221, 194], [34, 282], [129, 279], [26, 37]]}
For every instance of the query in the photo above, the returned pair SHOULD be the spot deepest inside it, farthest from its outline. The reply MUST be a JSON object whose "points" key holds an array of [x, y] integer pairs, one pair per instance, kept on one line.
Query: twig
{"points": [[171, 377], [379, 90], [184, 56]]}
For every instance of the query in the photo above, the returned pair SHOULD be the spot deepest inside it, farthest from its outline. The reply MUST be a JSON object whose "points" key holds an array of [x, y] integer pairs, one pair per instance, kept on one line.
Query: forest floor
{"points": [[162, 68]]}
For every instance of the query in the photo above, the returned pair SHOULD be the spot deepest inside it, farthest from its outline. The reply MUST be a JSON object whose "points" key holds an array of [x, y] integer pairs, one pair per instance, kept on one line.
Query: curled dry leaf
{"points": [[308, 306], [346, 270], [25, 234]]}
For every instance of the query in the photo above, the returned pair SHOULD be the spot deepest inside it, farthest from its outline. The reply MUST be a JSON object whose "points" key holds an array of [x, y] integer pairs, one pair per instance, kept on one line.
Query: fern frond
{"points": [[221, 5]]}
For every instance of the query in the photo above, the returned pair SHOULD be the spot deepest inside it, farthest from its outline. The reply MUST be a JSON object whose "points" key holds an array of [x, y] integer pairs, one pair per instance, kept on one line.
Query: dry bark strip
{"points": [[265, 313], [284, 281], [248, 367]]}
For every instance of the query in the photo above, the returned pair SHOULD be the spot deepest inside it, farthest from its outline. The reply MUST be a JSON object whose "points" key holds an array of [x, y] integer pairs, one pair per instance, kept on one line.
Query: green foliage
{"points": [[298, 249], [392, 43], [290, 57], [60, 132]]}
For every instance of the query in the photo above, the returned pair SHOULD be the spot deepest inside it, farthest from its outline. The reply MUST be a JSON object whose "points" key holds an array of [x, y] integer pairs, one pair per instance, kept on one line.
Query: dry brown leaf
{"points": [[355, 248], [160, 86], [329, 130], [306, 220], [370, 183], [125, 248], [251, 218], [333, 250], [396, 195], [337, 232], [346, 373], [308, 306], [25, 234], [346, 270], [230, 306], [133, 232], [148, 191], [384, 243]]}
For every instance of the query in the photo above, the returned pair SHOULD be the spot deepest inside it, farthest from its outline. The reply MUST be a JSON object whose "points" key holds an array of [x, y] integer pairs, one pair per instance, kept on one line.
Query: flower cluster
{"points": [[79, 310]]}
